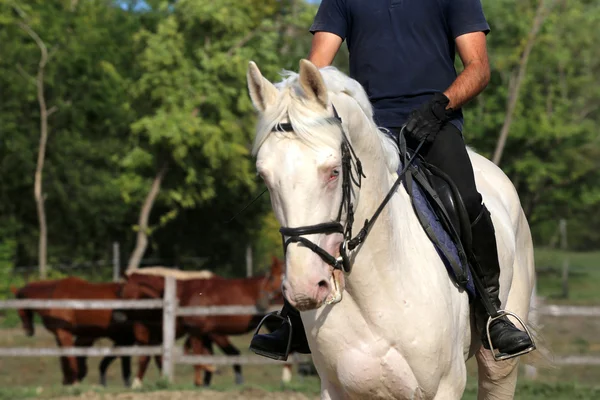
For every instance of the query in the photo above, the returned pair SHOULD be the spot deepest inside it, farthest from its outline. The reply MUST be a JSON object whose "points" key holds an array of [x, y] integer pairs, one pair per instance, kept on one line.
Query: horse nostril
{"points": [[323, 284]]}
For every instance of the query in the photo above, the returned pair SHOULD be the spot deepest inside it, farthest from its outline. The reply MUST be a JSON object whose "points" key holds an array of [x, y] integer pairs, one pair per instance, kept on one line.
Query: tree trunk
{"points": [[39, 169], [513, 93], [142, 235]]}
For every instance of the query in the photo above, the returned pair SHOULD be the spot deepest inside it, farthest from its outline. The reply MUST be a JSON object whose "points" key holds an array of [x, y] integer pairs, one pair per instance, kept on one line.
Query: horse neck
{"points": [[397, 253], [37, 290]]}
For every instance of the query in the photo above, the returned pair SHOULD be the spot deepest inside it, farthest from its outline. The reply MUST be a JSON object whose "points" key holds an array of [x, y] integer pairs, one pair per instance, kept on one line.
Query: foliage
{"points": [[141, 84], [552, 153]]}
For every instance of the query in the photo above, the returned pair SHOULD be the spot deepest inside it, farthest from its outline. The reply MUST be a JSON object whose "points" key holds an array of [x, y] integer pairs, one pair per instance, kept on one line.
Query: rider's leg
{"points": [[448, 152], [274, 345]]}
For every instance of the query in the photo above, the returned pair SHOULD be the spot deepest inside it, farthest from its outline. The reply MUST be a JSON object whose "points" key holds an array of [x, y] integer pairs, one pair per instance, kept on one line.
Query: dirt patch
{"points": [[246, 394]]}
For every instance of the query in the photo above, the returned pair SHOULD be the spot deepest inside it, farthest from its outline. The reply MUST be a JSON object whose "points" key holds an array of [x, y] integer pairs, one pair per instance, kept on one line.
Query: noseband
{"points": [[352, 174]]}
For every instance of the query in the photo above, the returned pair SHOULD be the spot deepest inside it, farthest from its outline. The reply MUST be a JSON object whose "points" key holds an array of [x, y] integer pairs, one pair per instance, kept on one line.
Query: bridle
{"points": [[352, 174]]}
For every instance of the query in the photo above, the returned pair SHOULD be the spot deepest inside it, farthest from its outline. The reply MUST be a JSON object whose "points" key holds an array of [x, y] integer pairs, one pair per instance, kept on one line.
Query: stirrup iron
{"points": [[285, 320], [503, 356]]}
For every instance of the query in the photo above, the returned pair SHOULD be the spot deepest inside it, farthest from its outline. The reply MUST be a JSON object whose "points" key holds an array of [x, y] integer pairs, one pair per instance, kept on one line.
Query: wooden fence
{"points": [[171, 310], [553, 310]]}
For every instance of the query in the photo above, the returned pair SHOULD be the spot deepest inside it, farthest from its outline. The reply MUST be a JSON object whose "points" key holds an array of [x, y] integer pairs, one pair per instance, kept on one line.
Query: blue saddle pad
{"points": [[445, 247]]}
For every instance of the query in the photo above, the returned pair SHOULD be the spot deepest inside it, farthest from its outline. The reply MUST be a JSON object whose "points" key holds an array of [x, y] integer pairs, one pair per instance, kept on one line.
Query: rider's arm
{"points": [[471, 48], [325, 46], [468, 26], [329, 29]]}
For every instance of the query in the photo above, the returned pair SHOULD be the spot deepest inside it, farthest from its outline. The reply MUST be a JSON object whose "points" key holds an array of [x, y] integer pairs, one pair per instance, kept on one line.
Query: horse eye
{"points": [[335, 172]]}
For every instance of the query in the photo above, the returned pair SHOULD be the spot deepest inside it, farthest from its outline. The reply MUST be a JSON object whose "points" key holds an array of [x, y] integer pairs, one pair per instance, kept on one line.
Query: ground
{"points": [[247, 393], [40, 378]]}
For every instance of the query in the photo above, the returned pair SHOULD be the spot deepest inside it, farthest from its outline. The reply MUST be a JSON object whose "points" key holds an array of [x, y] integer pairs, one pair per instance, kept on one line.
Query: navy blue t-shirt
{"points": [[401, 51]]}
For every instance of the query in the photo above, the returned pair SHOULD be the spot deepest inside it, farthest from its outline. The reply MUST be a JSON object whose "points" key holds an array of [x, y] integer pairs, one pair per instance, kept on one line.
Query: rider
{"points": [[402, 52]]}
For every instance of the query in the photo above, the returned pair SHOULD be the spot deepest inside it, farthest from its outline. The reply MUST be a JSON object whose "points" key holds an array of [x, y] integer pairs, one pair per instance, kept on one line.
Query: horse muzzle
{"points": [[315, 289]]}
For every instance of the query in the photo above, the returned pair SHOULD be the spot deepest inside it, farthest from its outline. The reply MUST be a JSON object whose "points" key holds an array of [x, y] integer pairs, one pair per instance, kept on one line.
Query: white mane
{"points": [[292, 106]]}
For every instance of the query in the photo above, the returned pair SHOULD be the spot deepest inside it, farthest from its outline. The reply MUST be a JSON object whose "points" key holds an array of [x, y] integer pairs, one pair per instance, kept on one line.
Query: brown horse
{"points": [[203, 330], [86, 325], [148, 283]]}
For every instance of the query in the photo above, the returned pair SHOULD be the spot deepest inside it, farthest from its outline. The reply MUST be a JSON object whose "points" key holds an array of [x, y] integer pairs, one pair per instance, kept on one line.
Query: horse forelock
{"points": [[311, 122]]}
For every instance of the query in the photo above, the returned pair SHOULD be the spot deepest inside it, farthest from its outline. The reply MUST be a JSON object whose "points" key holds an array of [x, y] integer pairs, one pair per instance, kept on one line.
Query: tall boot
{"points": [[275, 344], [505, 336]]}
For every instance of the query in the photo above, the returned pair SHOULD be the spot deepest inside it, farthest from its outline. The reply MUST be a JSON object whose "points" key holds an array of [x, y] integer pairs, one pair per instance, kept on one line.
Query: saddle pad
{"points": [[445, 246]]}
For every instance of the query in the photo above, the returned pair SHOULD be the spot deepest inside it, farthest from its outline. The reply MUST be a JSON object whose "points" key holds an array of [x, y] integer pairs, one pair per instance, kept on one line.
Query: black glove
{"points": [[425, 122]]}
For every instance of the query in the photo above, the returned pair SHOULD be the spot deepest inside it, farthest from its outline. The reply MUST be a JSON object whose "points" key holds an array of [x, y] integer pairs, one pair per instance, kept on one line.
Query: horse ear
{"points": [[312, 82], [262, 92]]}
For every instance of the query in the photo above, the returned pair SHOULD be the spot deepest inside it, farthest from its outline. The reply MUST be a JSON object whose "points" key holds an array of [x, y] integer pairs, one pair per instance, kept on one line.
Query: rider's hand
{"points": [[425, 122]]}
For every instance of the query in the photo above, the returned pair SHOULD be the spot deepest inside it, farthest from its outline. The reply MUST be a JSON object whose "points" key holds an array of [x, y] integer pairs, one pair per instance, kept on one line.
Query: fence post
{"points": [[565, 270], [116, 262], [248, 261], [169, 316]]}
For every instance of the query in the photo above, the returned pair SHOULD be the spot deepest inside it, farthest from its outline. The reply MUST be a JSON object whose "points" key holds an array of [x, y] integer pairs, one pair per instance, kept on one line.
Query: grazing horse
{"points": [[387, 321], [86, 325], [202, 331]]}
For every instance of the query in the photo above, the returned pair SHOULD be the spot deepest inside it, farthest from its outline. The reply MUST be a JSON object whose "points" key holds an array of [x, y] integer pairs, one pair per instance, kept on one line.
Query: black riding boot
{"points": [[275, 344], [506, 337]]}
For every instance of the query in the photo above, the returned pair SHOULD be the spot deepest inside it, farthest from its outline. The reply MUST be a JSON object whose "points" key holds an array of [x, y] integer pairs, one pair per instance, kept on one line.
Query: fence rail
{"points": [[578, 360], [81, 351], [223, 310], [171, 310], [82, 304], [570, 311], [243, 359]]}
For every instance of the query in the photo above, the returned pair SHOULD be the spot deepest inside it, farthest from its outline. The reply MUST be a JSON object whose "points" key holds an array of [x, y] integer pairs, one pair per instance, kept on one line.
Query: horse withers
{"points": [[80, 328], [382, 316]]}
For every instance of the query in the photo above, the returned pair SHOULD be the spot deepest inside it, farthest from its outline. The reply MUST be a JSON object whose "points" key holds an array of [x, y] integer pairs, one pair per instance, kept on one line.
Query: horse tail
{"points": [[542, 357]]}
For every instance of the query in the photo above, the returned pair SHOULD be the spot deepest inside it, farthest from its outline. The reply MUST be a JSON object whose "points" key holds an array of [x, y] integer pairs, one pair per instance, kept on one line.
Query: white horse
{"points": [[402, 329]]}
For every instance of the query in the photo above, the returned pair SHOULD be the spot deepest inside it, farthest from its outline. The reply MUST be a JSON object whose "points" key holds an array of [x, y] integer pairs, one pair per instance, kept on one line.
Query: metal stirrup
{"points": [[502, 356]]}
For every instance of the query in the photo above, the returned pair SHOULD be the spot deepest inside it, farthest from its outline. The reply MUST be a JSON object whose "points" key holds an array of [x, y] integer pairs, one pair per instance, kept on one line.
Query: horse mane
{"points": [[293, 106], [177, 273]]}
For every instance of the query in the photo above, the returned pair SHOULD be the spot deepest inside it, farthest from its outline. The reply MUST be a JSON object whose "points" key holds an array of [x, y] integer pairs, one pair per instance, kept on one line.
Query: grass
{"points": [[22, 378], [584, 276]]}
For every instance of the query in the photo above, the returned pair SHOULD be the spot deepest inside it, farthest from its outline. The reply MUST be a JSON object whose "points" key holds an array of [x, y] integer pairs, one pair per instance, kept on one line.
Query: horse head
{"points": [[304, 149], [26, 315]]}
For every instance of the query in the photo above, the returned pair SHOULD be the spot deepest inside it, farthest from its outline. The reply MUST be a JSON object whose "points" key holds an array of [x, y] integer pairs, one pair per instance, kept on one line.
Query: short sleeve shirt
{"points": [[401, 51]]}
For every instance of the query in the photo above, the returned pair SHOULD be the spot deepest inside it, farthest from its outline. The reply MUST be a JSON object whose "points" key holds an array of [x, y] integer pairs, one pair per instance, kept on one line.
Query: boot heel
{"points": [[502, 356]]}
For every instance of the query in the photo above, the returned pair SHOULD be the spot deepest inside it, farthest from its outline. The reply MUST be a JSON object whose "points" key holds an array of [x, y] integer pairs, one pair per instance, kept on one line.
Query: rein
{"points": [[349, 179]]}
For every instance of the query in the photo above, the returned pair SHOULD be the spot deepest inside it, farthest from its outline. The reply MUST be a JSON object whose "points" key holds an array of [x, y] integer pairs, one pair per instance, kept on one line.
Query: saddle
{"points": [[442, 214]]}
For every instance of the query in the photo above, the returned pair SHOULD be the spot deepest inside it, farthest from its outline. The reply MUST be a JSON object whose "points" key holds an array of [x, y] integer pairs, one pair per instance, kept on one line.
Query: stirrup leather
{"points": [[286, 320], [503, 356]]}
